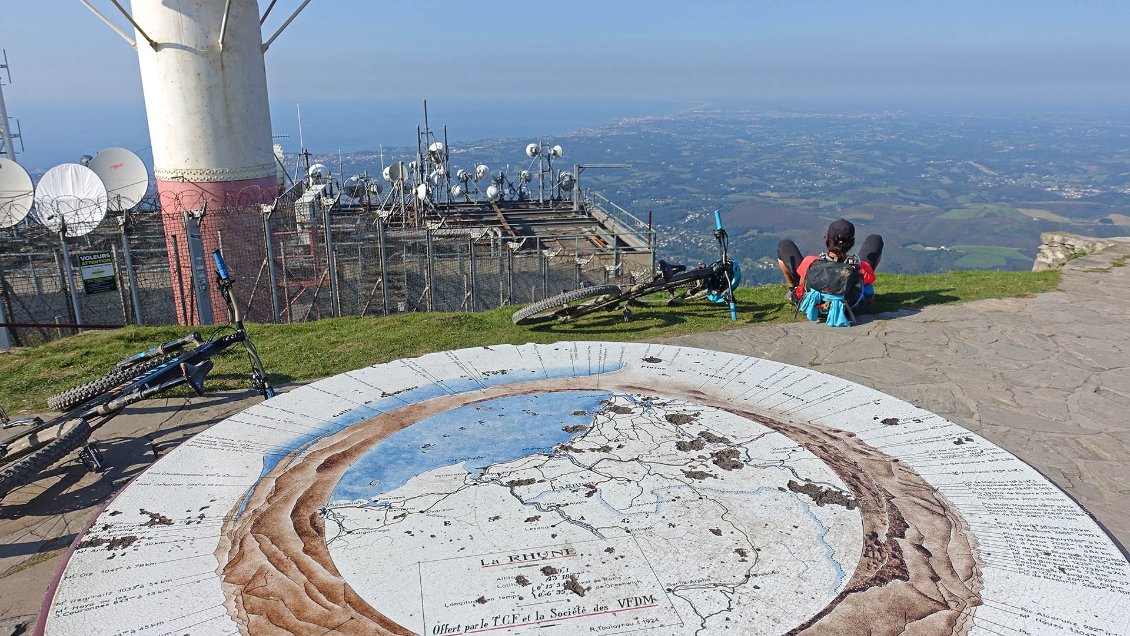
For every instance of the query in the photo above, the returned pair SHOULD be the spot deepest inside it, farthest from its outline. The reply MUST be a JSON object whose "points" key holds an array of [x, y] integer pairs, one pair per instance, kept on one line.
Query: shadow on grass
{"points": [[902, 301]]}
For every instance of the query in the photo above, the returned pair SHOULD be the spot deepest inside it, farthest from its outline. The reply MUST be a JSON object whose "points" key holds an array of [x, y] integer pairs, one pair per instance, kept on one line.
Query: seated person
{"points": [[839, 240]]}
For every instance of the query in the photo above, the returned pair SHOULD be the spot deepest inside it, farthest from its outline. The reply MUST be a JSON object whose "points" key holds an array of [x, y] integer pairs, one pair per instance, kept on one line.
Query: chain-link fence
{"points": [[295, 261]]}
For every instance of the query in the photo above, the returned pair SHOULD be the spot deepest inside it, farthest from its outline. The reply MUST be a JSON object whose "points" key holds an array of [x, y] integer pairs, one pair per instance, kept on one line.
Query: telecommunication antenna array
{"points": [[7, 150]]}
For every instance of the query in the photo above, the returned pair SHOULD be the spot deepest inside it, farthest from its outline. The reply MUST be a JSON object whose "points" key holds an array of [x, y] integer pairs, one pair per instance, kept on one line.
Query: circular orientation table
{"points": [[591, 488]]}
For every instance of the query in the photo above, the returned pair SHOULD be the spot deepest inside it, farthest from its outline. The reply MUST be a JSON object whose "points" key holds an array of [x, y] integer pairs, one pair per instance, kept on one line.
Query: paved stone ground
{"points": [[1047, 378], [38, 522], [1044, 377]]}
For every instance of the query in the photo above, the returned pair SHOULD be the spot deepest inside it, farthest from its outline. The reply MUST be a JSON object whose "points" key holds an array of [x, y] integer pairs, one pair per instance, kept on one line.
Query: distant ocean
{"points": [[329, 126], [60, 133]]}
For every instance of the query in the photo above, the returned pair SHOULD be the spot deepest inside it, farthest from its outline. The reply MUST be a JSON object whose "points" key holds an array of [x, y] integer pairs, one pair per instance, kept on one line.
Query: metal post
{"points": [[131, 275], [616, 252], [121, 284], [70, 280], [34, 276], [270, 244], [501, 273], [6, 148], [576, 187], [544, 275], [430, 271], [576, 266], [360, 274], [509, 276], [331, 262], [180, 282], [285, 283], [199, 271], [471, 252], [384, 264], [5, 342]]}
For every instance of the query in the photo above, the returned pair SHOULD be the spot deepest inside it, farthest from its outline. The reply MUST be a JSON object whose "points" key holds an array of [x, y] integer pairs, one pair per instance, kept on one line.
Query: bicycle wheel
{"points": [[24, 470], [82, 394], [558, 307]]}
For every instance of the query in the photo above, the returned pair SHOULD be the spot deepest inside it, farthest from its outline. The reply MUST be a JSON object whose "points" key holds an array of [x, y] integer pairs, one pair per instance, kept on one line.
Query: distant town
{"points": [[946, 192]]}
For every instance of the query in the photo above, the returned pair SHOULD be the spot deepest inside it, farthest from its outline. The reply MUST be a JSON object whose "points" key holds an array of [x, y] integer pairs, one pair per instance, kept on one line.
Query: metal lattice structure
{"points": [[321, 260]]}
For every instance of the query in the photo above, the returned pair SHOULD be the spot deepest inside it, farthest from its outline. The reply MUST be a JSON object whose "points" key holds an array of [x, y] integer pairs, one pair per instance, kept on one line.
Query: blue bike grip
{"points": [[221, 267], [733, 311], [717, 220]]}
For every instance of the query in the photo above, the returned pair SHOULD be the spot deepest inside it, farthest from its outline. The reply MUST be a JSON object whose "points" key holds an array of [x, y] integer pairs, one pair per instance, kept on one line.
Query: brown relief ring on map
{"points": [[918, 572]]}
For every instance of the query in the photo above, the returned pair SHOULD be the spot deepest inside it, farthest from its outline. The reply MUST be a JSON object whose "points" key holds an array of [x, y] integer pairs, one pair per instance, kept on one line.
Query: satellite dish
{"points": [[481, 171], [397, 172], [355, 187], [566, 181], [124, 175], [16, 194], [462, 176], [524, 176], [317, 172], [436, 150], [456, 190], [533, 150], [376, 188], [422, 192], [494, 192], [386, 173], [70, 197], [556, 151]]}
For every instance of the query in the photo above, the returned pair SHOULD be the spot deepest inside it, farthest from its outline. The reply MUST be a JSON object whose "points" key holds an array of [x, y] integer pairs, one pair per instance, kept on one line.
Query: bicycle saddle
{"points": [[668, 270]]}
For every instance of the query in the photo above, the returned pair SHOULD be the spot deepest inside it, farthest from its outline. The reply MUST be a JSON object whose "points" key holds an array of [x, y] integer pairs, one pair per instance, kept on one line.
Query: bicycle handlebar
{"points": [[221, 266], [717, 220]]}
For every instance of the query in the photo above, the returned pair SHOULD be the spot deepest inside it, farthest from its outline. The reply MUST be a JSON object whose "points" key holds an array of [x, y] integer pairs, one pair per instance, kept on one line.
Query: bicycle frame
{"points": [[188, 367], [716, 281]]}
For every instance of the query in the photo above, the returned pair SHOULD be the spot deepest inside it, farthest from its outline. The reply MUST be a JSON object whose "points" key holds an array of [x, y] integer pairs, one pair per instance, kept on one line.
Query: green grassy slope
{"points": [[307, 351]]}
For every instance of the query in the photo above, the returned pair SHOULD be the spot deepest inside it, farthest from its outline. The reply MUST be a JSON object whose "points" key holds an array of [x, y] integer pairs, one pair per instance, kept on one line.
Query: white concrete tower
{"points": [[205, 88]]}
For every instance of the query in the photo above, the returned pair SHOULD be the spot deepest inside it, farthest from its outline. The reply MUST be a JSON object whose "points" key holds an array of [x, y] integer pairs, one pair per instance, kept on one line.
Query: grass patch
{"points": [[987, 256], [981, 211], [308, 351]]}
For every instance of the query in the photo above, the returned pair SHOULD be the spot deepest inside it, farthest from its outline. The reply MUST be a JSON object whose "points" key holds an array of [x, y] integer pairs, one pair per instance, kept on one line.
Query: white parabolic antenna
{"points": [[70, 196], [124, 175], [397, 172], [355, 187], [16, 193]]}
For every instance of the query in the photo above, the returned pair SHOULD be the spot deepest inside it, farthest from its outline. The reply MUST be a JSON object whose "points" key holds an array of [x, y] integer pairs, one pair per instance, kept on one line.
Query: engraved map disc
{"points": [[591, 488]]}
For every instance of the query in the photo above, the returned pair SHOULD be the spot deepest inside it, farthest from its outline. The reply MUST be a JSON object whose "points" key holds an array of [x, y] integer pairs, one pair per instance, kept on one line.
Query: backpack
{"points": [[837, 287], [837, 278]]}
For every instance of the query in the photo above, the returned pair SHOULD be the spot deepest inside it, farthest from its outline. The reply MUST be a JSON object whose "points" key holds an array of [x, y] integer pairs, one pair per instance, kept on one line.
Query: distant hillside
{"points": [[945, 192]]}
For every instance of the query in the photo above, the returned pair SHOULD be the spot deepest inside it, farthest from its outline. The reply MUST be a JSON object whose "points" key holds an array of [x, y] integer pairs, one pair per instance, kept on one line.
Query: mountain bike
{"points": [[715, 281], [35, 444]]}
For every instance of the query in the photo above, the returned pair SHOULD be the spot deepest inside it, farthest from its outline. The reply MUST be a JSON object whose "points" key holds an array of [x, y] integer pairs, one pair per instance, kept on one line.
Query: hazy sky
{"points": [[360, 67]]}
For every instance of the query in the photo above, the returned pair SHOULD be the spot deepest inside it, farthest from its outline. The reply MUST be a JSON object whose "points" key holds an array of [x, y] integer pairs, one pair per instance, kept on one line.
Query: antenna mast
{"points": [[6, 148]]}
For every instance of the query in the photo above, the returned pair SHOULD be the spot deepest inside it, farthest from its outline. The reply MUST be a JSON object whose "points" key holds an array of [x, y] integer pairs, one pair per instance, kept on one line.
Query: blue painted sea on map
{"points": [[480, 435]]}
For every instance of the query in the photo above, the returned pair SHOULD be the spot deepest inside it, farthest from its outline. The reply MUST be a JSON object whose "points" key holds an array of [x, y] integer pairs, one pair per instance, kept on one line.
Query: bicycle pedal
{"points": [[23, 422], [91, 459]]}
